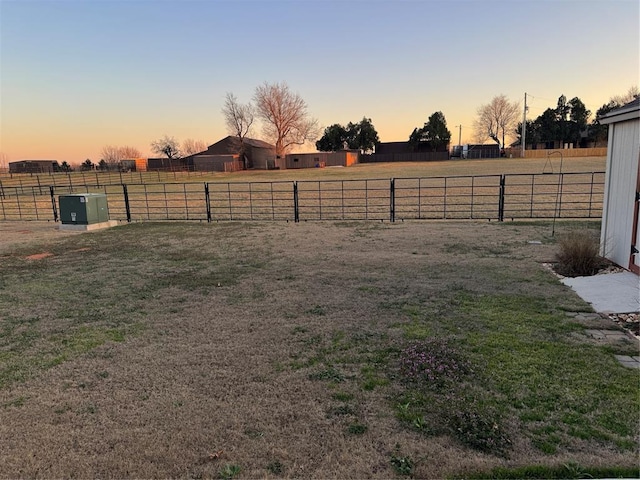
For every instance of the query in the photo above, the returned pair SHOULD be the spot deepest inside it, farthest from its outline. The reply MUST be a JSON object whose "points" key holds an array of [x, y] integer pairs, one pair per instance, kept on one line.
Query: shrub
{"points": [[478, 427], [578, 255], [433, 363], [402, 465]]}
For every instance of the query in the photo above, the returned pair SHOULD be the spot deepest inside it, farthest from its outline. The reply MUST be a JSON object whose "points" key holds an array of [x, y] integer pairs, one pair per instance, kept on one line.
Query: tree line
{"points": [[286, 122]]}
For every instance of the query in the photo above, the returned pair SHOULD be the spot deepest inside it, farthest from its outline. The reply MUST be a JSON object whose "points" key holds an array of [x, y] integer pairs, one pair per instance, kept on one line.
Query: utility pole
{"points": [[459, 134], [523, 137]]}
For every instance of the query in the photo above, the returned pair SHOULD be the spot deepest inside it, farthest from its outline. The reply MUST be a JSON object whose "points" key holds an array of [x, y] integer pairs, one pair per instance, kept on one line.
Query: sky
{"points": [[77, 75]]}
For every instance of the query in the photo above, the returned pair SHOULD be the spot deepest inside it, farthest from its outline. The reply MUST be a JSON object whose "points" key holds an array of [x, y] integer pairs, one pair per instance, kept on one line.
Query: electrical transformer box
{"points": [[83, 208]]}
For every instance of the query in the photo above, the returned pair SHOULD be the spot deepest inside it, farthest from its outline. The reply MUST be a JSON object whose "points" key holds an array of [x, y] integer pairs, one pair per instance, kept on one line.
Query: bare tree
{"points": [[631, 94], [167, 146], [287, 121], [111, 156], [129, 153], [191, 146], [4, 160], [239, 119], [497, 120]]}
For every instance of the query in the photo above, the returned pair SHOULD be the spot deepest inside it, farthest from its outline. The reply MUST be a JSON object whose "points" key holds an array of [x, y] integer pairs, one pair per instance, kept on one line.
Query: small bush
{"points": [[578, 255], [433, 363], [479, 428], [276, 467], [229, 471], [357, 428], [402, 465]]}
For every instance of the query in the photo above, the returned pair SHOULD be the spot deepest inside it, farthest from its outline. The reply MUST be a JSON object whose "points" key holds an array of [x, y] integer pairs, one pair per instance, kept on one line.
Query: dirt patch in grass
{"points": [[39, 256], [187, 350]]}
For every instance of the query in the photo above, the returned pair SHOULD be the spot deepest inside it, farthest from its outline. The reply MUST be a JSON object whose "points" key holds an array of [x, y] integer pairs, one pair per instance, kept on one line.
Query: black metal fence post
{"points": [[392, 200], [126, 202], [207, 201], [296, 212], [501, 199], [53, 203]]}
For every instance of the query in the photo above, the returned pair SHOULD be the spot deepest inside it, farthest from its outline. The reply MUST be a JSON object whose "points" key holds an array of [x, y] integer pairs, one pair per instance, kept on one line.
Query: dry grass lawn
{"points": [[185, 350]]}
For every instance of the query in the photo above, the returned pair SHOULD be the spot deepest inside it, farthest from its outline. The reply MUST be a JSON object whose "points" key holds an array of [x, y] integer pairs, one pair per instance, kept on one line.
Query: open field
{"points": [[281, 350], [361, 171]]}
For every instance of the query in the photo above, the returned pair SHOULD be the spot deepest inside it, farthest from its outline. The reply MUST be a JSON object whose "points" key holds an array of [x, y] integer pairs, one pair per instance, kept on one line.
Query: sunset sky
{"points": [[78, 75]]}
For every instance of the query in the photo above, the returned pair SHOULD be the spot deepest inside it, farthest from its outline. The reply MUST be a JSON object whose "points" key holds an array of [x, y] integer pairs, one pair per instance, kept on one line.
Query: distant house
{"points": [[620, 232], [342, 158], [256, 153], [34, 166]]}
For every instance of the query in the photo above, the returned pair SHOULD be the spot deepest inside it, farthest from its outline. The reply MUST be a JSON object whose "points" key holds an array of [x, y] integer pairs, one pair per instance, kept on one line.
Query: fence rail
{"points": [[492, 197]]}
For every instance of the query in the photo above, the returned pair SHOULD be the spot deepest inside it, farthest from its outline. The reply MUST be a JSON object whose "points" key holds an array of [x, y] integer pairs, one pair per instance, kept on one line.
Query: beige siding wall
{"points": [[620, 189], [328, 159]]}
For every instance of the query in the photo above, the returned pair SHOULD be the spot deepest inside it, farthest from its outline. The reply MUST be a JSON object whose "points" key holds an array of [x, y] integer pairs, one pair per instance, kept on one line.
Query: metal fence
{"points": [[491, 197]]}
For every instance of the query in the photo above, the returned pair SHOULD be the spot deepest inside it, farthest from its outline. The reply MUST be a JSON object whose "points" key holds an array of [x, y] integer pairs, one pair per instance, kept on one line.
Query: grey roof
{"points": [[249, 141], [258, 143], [630, 111]]}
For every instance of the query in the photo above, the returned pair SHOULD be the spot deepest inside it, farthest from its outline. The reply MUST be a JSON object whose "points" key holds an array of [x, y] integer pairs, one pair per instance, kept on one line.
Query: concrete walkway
{"points": [[608, 293]]}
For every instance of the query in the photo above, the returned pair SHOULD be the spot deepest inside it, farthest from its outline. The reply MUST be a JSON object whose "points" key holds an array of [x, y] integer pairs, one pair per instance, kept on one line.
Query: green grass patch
{"points": [[566, 471]]}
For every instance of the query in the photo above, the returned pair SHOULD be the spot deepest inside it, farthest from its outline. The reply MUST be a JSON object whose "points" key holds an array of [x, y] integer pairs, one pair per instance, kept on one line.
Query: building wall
{"points": [[258, 157], [262, 158], [322, 159], [404, 157], [212, 163], [34, 166], [141, 164], [166, 164], [620, 188]]}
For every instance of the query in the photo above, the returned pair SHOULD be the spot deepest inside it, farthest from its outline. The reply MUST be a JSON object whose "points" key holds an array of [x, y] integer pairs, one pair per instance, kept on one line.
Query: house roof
{"points": [[630, 111], [33, 161], [249, 141], [258, 143]]}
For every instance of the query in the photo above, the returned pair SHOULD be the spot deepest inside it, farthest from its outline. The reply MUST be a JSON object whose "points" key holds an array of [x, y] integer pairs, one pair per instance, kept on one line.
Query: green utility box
{"points": [[83, 208]]}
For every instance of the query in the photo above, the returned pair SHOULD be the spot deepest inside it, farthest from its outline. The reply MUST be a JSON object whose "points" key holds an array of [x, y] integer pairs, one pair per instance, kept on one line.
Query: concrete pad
{"points": [[608, 293], [627, 361], [88, 228]]}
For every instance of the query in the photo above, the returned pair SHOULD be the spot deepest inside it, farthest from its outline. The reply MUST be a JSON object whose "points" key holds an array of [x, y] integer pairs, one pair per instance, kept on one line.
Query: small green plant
{"points": [[478, 427], [357, 428], [578, 254], [317, 310], [420, 423], [276, 467], [253, 433], [402, 465], [229, 471], [342, 396], [330, 374]]}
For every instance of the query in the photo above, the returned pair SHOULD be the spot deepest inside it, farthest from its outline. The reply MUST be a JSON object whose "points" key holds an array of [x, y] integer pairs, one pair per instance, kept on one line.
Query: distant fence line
{"points": [[566, 152], [491, 197], [404, 157], [93, 177]]}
